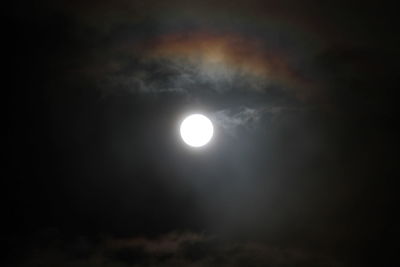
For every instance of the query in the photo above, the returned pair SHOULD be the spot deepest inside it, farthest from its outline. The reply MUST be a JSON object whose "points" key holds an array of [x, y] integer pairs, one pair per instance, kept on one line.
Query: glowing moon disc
{"points": [[196, 130]]}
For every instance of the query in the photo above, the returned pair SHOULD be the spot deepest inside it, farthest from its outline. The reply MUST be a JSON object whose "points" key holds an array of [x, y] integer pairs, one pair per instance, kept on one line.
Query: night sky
{"points": [[302, 169]]}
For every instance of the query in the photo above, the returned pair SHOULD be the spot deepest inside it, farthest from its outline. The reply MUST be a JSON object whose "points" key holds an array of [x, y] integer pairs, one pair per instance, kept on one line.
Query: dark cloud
{"points": [[174, 249]]}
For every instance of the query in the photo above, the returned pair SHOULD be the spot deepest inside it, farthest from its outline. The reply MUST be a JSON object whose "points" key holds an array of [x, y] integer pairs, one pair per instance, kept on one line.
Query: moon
{"points": [[196, 130]]}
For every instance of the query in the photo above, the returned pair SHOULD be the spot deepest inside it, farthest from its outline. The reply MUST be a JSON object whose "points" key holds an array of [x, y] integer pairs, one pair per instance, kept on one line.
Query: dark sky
{"points": [[302, 167]]}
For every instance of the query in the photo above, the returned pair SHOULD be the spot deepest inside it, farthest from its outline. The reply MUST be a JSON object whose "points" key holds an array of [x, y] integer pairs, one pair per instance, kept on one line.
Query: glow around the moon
{"points": [[196, 130]]}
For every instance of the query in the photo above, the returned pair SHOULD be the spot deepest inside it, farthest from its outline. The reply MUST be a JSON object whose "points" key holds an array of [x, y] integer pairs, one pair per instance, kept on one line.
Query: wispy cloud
{"points": [[246, 117]]}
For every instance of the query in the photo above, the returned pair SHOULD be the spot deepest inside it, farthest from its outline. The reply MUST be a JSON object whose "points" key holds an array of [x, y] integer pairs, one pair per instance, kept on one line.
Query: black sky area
{"points": [[302, 169]]}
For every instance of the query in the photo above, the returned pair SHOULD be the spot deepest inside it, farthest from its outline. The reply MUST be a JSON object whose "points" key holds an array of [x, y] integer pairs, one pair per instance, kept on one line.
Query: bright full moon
{"points": [[196, 130]]}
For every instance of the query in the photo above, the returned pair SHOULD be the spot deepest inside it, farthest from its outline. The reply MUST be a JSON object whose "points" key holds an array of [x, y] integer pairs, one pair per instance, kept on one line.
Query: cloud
{"points": [[246, 117], [174, 249], [178, 76], [194, 62]]}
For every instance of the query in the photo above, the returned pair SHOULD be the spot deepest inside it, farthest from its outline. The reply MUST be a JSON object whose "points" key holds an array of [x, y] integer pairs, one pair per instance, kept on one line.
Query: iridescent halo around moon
{"points": [[196, 130]]}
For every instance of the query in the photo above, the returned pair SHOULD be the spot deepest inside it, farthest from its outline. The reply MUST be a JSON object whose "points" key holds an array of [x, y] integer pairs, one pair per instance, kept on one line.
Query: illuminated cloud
{"points": [[224, 56]]}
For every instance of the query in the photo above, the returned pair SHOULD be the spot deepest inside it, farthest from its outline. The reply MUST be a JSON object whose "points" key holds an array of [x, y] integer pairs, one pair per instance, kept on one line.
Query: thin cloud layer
{"points": [[248, 118], [199, 62]]}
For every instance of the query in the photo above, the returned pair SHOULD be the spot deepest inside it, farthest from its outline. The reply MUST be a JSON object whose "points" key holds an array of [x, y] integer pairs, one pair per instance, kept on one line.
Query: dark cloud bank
{"points": [[173, 249], [301, 171]]}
